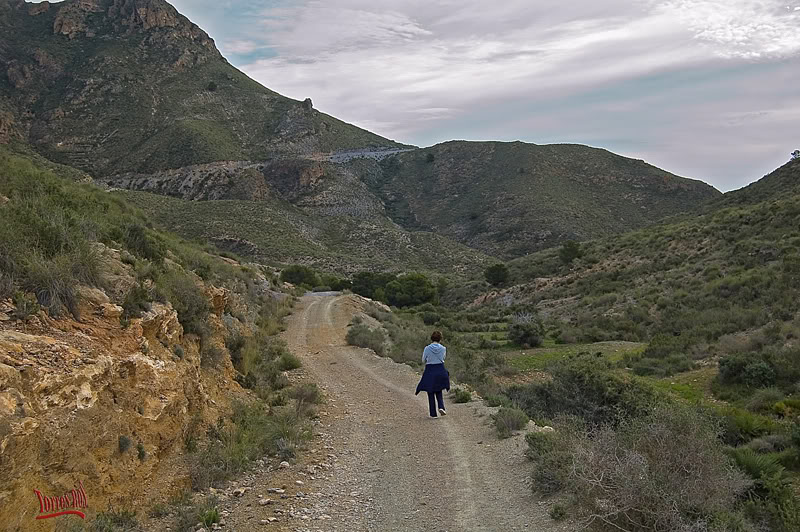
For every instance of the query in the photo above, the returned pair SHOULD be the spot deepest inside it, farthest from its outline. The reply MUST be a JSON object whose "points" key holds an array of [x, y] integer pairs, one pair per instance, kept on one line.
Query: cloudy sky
{"points": [[703, 88]]}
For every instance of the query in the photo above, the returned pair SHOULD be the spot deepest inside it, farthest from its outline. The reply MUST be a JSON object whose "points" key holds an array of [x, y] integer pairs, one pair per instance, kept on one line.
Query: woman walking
{"points": [[435, 378]]}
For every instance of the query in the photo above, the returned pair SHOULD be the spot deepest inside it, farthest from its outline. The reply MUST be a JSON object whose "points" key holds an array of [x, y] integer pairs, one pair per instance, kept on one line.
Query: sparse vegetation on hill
{"points": [[707, 303], [693, 289], [509, 199], [274, 232], [105, 65], [66, 247]]}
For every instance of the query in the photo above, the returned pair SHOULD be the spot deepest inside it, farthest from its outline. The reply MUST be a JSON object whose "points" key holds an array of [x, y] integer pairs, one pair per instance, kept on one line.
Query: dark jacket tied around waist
{"points": [[434, 379]]}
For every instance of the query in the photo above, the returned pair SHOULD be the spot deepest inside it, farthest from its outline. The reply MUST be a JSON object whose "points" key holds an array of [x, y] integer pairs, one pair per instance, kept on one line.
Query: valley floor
{"points": [[378, 462], [409, 472]]}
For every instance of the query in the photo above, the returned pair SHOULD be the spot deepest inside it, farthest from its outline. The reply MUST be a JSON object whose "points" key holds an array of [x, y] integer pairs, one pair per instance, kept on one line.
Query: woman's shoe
{"points": [[442, 411]]}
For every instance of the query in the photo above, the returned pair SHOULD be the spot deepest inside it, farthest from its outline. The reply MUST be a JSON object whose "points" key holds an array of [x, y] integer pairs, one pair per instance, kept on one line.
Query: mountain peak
{"points": [[97, 18]]}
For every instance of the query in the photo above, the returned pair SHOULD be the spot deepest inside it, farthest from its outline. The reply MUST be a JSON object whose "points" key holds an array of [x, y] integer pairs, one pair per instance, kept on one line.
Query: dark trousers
{"points": [[432, 403]]}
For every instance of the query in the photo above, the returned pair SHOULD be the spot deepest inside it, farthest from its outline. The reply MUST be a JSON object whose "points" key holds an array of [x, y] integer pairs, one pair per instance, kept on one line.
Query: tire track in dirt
{"points": [[414, 473]]}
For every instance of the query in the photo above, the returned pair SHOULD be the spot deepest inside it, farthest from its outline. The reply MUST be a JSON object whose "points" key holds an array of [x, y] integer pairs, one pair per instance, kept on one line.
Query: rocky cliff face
{"points": [[78, 18], [323, 188], [91, 401], [112, 86]]}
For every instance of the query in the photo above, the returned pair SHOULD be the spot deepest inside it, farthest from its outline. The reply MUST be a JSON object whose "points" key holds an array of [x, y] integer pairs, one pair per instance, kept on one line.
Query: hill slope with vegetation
{"points": [[664, 363], [695, 281], [276, 232], [509, 199], [141, 363], [111, 86]]}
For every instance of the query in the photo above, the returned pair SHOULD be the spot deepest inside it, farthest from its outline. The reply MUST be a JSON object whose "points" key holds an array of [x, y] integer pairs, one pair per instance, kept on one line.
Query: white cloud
{"points": [[239, 46], [705, 88], [739, 28]]}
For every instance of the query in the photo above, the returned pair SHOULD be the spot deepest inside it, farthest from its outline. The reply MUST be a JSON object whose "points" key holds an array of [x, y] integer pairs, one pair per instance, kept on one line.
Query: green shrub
{"points": [[494, 400], [664, 367], [190, 514], [508, 420], [757, 465], [372, 285], [558, 512], [24, 306], [141, 241], [584, 387], [496, 274], [570, 250], [235, 342], [551, 454], [115, 521], [140, 452], [642, 476], [430, 318], [137, 301], [773, 495], [410, 290], [764, 400], [123, 443], [250, 434], [461, 395], [54, 282], [363, 336], [526, 334], [288, 361], [335, 283], [307, 393], [187, 299], [209, 516], [300, 275], [748, 369], [740, 426], [178, 351]]}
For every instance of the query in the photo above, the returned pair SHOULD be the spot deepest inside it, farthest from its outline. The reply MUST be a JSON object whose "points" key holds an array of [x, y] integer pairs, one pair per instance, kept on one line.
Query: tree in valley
{"points": [[410, 290], [496, 274], [570, 251]]}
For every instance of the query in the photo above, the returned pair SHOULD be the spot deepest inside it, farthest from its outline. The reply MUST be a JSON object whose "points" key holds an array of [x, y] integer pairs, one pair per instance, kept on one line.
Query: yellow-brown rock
{"points": [[70, 389]]}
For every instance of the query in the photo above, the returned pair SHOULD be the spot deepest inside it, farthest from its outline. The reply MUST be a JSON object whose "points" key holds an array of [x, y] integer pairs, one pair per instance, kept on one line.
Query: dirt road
{"points": [[397, 469]]}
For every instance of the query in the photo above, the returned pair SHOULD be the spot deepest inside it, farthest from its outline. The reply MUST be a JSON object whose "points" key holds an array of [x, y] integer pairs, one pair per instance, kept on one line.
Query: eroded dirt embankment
{"points": [[94, 402]]}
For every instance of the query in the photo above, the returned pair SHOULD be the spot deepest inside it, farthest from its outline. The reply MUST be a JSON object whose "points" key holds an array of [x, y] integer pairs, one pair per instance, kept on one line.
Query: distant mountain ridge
{"points": [[137, 96], [778, 184], [113, 86], [512, 198]]}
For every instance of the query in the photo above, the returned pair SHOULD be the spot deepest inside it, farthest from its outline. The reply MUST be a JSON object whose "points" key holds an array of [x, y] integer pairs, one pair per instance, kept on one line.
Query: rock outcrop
{"points": [[75, 394], [77, 18], [7, 129]]}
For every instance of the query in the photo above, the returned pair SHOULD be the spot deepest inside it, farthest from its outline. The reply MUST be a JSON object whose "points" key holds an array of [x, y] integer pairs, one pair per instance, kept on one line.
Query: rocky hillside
{"points": [[137, 96], [698, 287], [111, 86], [121, 348], [782, 183], [509, 199], [72, 392]]}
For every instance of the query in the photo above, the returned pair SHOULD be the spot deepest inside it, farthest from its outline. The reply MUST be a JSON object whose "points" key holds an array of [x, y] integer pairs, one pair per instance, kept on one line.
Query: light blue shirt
{"points": [[434, 354]]}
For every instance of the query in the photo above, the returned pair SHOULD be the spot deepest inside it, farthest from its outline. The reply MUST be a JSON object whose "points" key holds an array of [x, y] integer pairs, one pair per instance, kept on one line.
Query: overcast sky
{"points": [[703, 88]]}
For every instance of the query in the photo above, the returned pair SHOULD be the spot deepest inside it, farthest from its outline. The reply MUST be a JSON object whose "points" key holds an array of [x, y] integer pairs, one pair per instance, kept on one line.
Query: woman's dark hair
{"points": [[436, 336]]}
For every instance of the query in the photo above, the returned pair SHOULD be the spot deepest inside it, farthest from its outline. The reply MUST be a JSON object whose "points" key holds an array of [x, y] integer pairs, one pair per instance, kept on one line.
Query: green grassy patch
{"points": [[541, 358], [692, 385]]}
